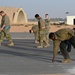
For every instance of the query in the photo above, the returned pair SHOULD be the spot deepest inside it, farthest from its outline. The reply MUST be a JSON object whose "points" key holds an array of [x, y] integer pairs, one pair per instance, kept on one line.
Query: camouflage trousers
{"points": [[47, 35], [42, 39], [5, 34], [36, 35]]}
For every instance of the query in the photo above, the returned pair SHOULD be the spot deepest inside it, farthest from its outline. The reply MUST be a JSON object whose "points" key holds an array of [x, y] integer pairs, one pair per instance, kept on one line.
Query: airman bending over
{"points": [[34, 30], [59, 40]]}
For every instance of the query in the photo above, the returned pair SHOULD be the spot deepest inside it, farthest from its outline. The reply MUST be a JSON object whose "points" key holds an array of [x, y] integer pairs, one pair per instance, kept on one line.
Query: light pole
{"points": [[66, 15]]}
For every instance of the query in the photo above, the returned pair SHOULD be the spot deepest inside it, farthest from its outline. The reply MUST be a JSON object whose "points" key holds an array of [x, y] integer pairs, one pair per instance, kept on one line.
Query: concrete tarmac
{"points": [[25, 59]]}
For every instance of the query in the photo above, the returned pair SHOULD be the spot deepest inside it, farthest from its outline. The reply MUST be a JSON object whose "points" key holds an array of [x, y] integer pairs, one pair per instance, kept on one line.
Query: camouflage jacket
{"points": [[5, 21], [47, 23], [61, 35], [35, 28], [41, 24]]}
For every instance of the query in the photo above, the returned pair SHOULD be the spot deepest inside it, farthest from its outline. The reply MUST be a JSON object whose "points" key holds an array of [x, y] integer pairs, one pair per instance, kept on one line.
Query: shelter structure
{"points": [[16, 15]]}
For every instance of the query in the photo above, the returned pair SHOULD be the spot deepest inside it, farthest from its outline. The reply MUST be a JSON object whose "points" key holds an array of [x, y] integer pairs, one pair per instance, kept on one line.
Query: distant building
{"points": [[71, 20], [16, 15]]}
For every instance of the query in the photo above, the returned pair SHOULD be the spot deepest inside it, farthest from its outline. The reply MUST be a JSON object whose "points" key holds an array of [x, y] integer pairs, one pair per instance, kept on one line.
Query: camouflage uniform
{"points": [[47, 26], [35, 31], [60, 40], [41, 33], [5, 32]]}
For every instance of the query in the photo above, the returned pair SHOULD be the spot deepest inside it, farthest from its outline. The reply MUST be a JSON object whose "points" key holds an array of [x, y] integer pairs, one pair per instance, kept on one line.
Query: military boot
{"points": [[59, 52], [40, 46], [36, 42], [11, 44], [47, 45], [66, 61]]}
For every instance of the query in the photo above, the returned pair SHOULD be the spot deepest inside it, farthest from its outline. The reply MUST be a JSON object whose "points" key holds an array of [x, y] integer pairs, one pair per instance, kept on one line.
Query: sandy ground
{"points": [[20, 28], [27, 27], [53, 28]]}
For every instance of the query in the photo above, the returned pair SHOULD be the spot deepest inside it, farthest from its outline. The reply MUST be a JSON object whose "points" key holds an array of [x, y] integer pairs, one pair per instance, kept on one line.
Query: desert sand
{"points": [[27, 27]]}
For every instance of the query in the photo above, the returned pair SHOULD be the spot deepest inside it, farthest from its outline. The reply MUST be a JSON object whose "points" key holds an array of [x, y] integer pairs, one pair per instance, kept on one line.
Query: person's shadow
{"points": [[28, 49]]}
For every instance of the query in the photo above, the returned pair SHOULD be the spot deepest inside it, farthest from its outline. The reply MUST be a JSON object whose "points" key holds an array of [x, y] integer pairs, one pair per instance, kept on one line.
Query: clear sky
{"points": [[55, 8]]}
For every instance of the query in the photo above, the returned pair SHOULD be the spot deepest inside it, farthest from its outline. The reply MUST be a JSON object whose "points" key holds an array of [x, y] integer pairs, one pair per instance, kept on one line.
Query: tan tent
{"points": [[16, 15]]}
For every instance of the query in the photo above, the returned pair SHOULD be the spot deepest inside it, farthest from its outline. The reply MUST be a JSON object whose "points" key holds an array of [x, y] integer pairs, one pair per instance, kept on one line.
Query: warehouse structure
{"points": [[71, 20]]}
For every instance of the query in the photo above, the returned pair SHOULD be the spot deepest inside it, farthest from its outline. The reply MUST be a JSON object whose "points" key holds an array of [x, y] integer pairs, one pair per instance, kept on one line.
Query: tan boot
{"points": [[47, 45], [59, 52], [36, 41], [66, 61], [11, 44], [39, 46]]}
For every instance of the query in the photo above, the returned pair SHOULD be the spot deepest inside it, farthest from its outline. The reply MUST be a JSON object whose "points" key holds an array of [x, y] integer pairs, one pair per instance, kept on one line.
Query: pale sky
{"points": [[55, 8]]}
